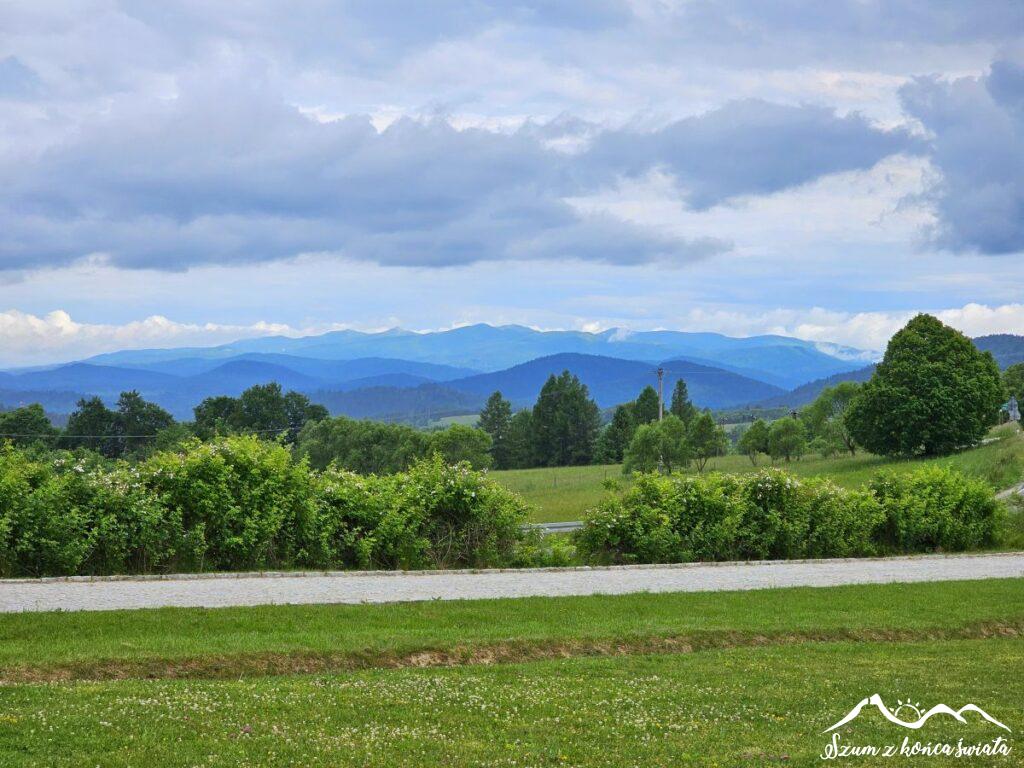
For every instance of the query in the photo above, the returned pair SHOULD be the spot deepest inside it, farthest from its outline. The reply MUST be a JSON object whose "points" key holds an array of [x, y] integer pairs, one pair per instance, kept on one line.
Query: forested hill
{"points": [[1006, 348]]}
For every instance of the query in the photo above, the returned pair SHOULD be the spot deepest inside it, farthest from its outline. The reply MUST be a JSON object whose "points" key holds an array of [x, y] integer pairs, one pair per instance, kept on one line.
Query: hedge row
{"points": [[773, 515], [241, 503]]}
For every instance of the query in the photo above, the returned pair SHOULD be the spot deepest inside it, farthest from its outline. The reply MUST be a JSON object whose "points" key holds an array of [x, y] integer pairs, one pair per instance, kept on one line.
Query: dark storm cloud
{"points": [[976, 128]]}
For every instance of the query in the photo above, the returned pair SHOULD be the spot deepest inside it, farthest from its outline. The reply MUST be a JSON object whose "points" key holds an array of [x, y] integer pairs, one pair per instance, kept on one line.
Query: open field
{"points": [[697, 679], [565, 493]]}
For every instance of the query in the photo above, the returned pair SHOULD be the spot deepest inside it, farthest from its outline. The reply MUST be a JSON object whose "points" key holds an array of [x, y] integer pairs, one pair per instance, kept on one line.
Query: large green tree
{"points": [[496, 420], [617, 435], [932, 393], [262, 408], [520, 440], [28, 425], [565, 422], [92, 425], [681, 405], [645, 408], [137, 422]]}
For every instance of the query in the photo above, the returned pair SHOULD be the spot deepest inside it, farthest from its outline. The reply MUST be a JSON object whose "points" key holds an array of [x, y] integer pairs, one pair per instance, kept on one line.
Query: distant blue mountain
{"points": [[779, 360], [612, 381]]}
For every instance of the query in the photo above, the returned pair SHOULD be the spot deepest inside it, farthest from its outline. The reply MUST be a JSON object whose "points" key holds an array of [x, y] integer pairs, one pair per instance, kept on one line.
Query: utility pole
{"points": [[661, 393]]}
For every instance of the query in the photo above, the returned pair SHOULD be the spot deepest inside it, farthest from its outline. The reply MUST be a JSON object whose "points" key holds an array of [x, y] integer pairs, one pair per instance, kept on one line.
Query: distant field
{"points": [[651, 680], [565, 493]]}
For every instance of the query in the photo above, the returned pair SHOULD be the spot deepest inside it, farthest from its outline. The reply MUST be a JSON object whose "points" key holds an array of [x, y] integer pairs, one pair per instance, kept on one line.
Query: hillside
{"points": [[806, 393], [612, 381], [1006, 348], [779, 360]]}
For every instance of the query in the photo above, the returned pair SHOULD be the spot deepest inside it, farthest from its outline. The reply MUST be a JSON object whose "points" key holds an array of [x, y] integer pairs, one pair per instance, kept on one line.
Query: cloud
{"points": [[228, 172], [869, 331], [17, 80], [30, 339], [750, 147], [976, 127]]}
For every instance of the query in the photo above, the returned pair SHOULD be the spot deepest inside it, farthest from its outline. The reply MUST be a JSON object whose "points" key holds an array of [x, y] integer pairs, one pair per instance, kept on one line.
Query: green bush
{"points": [[937, 509], [242, 503], [773, 515]]}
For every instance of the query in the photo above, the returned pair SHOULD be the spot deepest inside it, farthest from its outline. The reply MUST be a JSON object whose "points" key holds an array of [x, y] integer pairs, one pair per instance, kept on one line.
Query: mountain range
{"points": [[411, 376]]}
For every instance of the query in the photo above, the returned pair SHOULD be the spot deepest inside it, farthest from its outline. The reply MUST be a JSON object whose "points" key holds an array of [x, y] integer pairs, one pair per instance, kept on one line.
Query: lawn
{"points": [[753, 679], [565, 493]]}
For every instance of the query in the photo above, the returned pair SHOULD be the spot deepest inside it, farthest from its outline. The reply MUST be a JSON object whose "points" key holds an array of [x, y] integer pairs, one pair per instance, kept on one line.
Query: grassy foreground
{"points": [[749, 678], [565, 493]]}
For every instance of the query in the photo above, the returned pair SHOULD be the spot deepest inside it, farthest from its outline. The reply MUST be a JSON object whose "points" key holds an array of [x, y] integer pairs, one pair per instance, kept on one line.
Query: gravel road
{"points": [[212, 591]]}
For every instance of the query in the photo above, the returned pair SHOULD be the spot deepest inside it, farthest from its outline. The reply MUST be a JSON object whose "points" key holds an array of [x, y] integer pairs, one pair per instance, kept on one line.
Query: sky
{"points": [[180, 172]]}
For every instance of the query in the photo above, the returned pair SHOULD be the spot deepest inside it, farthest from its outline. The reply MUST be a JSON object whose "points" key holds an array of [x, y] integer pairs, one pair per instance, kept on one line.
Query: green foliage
{"points": [[120, 433], [27, 426], [460, 443], [615, 438], [662, 445], [496, 421], [367, 447], [646, 407], [520, 440], [825, 418], [262, 409], [787, 439], [681, 406], [243, 503], [707, 440], [373, 447], [565, 423], [773, 515], [933, 393], [1013, 382], [937, 509], [754, 440]]}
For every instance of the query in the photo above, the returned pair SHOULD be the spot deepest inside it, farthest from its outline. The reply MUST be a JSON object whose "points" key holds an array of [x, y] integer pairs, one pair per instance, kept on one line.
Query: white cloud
{"points": [[28, 339]]}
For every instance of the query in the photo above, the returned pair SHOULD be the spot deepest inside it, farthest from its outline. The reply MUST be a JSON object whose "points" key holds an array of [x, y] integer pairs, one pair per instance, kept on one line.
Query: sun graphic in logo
{"points": [[907, 711]]}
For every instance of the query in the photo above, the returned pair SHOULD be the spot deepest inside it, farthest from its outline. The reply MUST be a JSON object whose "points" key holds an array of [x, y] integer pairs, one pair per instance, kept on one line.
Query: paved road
{"points": [[252, 589]]}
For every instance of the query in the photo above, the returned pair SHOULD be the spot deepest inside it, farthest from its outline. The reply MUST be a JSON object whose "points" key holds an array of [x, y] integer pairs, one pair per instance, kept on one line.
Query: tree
{"points": [[367, 447], [91, 425], [298, 410], [520, 441], [28, 425], [754, 440], [1013, 382], [136, 422], [932, 393], [496, 420], [262, 408], [617, 435], [216, 416], [661, 445], [825, 418], [565, 422], [645, 408], [681, 405], [644, 451], [707, 440], [461, 443], [787, 439]]}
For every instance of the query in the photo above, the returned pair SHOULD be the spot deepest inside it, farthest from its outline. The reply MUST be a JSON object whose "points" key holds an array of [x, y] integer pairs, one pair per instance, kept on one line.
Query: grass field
{"points": [[723, 679], [565, 493]]}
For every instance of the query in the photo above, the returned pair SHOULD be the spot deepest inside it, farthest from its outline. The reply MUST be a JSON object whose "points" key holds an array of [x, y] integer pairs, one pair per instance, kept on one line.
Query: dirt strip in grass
{"points": [[511, 652]]}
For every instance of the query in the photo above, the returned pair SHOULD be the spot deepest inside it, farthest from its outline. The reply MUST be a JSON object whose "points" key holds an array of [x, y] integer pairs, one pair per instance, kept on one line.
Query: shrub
{"points": [[243, 503], [937, 509], [773, 515]]}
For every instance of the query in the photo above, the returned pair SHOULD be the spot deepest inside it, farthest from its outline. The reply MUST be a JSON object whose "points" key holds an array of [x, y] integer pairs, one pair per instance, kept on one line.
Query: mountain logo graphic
{"points": [[914, 709]]}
